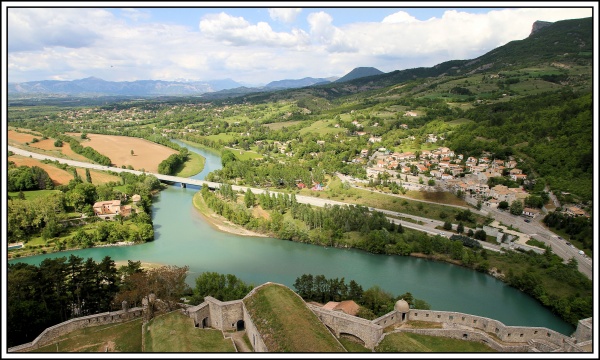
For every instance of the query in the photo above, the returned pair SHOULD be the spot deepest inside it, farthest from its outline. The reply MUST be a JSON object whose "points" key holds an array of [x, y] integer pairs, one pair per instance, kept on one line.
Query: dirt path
{"points": [[240, 344]]}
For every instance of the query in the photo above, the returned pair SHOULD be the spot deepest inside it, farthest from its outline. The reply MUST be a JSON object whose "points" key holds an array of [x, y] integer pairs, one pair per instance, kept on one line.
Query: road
{"points": [[534, 228]]}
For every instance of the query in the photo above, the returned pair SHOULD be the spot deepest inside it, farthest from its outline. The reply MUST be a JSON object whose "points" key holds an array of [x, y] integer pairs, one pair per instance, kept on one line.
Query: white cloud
{"points": [[135, 14], [323, 32], [399, 17], [286, 15], [77, 43], [32, 29], [237, 31]]}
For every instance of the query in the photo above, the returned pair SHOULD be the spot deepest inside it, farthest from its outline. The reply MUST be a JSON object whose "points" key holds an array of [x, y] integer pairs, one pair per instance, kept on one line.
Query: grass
{"points": [[335, 191], [352, 346], [123, 337], [193, 166], [32, 194], [282, 124], [286, 323], [322, 127], [175, 332], [409, 342]]}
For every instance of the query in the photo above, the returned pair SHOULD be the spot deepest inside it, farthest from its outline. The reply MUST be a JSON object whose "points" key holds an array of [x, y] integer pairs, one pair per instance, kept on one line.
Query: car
{"points": [[568, 243], [581, 252], [527, 220]]}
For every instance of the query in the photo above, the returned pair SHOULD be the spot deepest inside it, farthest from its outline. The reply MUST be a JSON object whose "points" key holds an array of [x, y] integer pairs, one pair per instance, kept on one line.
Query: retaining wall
{"points": [[51, 333], [341, 322], [505, 333]]}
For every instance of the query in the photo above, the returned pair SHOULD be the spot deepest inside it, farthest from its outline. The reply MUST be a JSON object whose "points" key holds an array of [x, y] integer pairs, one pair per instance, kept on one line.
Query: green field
{"points": [[175, 332], [32, 194], [124, 337], [193, 166], [409, 342], [322, 127]]}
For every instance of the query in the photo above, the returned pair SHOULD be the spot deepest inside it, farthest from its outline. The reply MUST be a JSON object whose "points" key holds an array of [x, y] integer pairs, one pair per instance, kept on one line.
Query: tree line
{"points": [[374, 301], [63, 288]]}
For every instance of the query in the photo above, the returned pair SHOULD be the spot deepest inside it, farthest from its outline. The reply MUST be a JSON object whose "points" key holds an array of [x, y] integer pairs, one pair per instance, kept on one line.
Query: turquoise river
{"points": [[183, 237]]}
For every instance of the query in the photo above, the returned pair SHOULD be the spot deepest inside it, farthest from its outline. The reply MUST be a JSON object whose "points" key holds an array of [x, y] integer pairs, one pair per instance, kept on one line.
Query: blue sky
{"points": [[258, 44]]}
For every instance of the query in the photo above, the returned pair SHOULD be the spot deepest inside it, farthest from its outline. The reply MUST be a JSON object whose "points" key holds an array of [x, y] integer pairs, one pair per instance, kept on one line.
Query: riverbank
{"points": [[218, 222]]}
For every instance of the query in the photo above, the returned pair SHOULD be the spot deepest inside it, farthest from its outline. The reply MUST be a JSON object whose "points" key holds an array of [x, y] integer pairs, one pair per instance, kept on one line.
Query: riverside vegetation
{"points": [[528, 100]]}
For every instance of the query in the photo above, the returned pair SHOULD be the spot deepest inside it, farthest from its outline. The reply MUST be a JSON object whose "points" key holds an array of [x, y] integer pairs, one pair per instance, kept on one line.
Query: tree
{"points": [[447, 225], [516, 208], [503, 205], [132, 152], [58, 143], [88, 176], [84, 136], [460, 228], [249, 198]]}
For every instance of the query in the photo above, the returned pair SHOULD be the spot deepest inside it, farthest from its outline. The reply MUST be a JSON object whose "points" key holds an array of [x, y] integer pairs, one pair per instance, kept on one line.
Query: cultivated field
{"points": [[146, 154], [60, 176], [19, 140]]}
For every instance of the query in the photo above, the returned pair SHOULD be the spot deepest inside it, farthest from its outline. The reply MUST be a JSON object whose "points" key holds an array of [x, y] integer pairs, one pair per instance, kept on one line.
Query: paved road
{"points": [[534, 229], [537, 231]]}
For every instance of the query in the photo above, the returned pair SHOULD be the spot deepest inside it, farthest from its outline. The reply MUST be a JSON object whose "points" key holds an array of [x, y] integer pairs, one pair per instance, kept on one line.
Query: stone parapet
{"points": [[53, 332]]}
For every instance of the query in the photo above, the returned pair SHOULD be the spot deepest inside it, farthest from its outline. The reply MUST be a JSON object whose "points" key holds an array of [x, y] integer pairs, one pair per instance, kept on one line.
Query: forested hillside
{"points": [[552, 132]]}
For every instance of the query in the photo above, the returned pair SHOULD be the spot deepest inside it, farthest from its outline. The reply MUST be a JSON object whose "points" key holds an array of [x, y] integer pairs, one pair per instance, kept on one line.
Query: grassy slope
{"points": [[174, 332], [124, 337], [286, 324], [408, 342]]}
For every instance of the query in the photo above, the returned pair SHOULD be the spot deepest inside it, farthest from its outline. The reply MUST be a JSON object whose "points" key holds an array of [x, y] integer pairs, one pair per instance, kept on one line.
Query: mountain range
{"points": [[93, 86], [567, 38]]}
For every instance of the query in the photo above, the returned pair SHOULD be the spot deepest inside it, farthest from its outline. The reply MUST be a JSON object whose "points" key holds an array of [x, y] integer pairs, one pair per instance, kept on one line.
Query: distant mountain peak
{"points": [[360, 72]]}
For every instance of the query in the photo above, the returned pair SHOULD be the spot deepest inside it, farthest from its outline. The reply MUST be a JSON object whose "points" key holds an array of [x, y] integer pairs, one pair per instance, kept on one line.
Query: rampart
{"points": [[509, 334], [232, 315], [342, 323], [51, 333]]}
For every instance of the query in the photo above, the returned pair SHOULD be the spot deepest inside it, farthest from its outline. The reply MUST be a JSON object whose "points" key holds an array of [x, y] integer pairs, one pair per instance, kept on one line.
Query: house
{"points": [[575, 211], [136, 198], [110, 209], [347, 306], [518, 177], [531, 212]]}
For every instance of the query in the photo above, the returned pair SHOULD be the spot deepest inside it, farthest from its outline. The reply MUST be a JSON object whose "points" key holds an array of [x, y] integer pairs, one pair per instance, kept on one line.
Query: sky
{"points": [[258, 42]]}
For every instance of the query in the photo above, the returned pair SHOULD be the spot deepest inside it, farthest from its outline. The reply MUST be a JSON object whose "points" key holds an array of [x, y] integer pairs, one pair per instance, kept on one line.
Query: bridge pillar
{"points": [[183, 185]]}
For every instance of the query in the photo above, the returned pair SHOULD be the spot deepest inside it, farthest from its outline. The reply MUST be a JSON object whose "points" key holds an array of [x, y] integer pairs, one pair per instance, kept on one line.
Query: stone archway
{"points": [[352, 338], [239, 326], [205, 322]]}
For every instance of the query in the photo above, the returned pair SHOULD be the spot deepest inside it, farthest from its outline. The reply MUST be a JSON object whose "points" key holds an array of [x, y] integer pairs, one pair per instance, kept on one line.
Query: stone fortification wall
{"points": [[584, 330], [341, 322], [51, 333], [388, 319], [505, 333], [255, 339], [468, 335], [224, 315], [198, 313]]}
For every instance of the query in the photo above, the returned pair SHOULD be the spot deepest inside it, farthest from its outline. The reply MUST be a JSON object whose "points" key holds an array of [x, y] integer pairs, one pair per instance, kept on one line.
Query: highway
{"points": [[534, 228]]}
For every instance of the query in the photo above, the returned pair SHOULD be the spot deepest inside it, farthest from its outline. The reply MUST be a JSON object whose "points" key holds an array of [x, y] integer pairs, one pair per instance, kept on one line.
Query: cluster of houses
{"points": [[108, 210]]}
